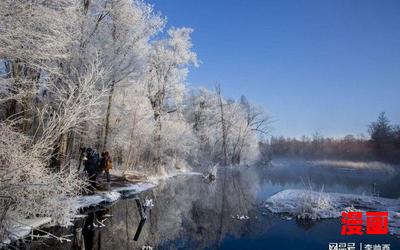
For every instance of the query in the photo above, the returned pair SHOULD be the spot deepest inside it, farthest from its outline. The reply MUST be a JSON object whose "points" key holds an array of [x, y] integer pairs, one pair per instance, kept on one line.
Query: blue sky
{"points": [[326, 66]]}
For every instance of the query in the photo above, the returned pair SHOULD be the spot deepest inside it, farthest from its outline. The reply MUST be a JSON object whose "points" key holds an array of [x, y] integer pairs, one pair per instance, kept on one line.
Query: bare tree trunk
{"points": [[131, 149], [110, 96], [86, 4], [223, 126], [15, 73], [66, 148], [63, 148], [157, 102], [70, 151], [128, 158], [157, 141], [235, 151], [112, 87], [107, 121]]}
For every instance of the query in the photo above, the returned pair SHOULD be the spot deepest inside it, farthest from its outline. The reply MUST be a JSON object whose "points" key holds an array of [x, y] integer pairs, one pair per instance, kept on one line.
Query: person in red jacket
{"points": [[106, 164]]}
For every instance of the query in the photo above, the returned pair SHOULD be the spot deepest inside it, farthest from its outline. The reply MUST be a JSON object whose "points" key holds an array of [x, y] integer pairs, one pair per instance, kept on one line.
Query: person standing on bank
{"points": [[106, 164], [91, 166]]}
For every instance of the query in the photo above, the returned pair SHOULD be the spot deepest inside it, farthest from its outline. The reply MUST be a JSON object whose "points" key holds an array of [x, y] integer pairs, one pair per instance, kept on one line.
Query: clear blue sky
{"points": [[326, 66]]}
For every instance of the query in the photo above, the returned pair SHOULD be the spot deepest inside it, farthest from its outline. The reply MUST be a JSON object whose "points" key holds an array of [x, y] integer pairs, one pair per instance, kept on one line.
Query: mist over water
{"points": [[336, 177]]}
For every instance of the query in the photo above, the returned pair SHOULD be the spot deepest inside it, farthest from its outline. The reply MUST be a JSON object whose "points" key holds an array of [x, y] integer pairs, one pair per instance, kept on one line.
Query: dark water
{"points": [[191, 213]]}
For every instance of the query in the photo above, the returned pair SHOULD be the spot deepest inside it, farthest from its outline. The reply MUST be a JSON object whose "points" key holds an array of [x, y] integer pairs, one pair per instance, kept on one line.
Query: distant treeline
{"points": [[383, 144]]}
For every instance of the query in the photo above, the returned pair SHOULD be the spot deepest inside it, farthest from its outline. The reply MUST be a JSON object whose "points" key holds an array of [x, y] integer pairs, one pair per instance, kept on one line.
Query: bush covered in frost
{"points": [[28, 189]]}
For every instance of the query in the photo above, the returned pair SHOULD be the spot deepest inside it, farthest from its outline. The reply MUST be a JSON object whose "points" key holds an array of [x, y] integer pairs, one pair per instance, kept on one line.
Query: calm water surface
{"points": [[192, 213]]}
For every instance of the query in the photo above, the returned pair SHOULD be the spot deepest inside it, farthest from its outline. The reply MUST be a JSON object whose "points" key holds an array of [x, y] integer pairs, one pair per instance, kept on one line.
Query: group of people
{"points": [[94, 165]]}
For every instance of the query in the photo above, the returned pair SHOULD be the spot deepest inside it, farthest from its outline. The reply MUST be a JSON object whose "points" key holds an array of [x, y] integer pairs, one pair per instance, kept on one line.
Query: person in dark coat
{"points": [[91, 164]]}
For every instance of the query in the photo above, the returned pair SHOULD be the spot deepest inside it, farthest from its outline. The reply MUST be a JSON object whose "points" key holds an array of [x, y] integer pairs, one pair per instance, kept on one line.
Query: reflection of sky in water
{"points": [[191, 213]]}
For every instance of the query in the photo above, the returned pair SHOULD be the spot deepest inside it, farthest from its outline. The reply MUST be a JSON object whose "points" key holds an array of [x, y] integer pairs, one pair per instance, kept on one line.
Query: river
{"points": [[190, 212]]}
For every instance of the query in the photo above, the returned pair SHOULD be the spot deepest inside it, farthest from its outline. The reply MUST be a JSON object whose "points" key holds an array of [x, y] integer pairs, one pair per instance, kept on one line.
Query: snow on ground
{"points": [[88, 200], [123, 191], [132, 175], [152, 182], [320, 205], [97, 198], [22, 228], [135, 188], [355, 165], [111, 196]]}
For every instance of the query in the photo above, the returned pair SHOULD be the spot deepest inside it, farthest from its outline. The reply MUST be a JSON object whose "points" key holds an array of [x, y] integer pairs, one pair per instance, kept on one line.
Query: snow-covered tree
{"points": [[94, 73], [44, 97], [229, 131], [168, 62], [132, 24]]}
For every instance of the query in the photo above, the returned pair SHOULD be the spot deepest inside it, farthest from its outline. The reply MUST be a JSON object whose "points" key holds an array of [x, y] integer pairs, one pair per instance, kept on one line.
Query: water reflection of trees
{"points": [[188, 212]]}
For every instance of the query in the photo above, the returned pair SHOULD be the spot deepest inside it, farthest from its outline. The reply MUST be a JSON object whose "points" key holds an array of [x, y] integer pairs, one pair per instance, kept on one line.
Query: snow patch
{"points": [[135, 188], [96, 199], [87, 201], [148, 203], [22, 228], [313, 205], [110, 196], [240, 217]]}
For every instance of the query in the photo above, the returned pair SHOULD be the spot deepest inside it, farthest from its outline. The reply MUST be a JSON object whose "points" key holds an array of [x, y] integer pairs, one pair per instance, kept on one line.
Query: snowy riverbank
{"points": [[22, 229], [103, 197], [127, 190], [320, 205]]}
